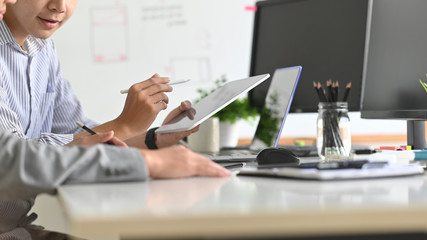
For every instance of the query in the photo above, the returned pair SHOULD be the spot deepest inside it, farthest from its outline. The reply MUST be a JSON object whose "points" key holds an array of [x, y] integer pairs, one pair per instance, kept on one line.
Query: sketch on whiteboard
{"points": [[170, 15], [109, 34]]}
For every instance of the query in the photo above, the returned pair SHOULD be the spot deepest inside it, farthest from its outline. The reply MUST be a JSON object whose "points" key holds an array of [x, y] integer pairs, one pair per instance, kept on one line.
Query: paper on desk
{"points": [[390, 170], [375, 157]]}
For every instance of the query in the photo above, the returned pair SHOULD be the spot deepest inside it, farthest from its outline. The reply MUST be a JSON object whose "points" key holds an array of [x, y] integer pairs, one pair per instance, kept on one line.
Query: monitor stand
{"points": [[416, 134]]}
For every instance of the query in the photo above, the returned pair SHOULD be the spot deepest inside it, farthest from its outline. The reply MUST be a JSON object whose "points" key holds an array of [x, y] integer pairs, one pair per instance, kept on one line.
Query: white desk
{"points": [[246, 206]]}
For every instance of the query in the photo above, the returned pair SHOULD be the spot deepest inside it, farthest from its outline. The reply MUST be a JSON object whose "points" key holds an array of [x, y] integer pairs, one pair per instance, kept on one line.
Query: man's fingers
{"points": [[150, 82], [161, 97], [157, 88], [178, 161], [195, 129], [162, 105], [185, 105], [211, 169], [118, 142], [103, 136]]}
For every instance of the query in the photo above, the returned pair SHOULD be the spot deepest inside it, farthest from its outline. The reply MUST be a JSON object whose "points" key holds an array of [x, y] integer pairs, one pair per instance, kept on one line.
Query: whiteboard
{"points": [[108, 45]]}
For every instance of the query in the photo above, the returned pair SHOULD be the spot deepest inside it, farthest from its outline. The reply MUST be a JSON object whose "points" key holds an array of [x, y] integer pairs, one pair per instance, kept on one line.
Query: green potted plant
{"points": [[229, 116]]}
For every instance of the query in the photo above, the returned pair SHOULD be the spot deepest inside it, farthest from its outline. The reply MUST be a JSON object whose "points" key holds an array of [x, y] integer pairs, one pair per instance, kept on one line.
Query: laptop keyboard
{"points": [[233, 155]]}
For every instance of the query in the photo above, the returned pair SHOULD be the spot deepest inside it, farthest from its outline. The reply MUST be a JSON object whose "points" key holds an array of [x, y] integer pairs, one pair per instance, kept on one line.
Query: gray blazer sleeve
{"points": [[27, 168]]}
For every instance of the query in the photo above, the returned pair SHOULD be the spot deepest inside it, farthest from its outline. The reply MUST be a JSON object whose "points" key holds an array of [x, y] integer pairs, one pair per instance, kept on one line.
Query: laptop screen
{"points": [[277, 104]]}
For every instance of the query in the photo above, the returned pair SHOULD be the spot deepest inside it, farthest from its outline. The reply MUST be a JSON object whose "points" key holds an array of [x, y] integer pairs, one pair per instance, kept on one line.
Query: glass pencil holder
{"points": [[333, 131]]}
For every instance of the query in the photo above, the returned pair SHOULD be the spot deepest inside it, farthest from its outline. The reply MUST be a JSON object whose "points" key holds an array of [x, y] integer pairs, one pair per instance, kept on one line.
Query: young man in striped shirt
{"points": [[36, 102]]}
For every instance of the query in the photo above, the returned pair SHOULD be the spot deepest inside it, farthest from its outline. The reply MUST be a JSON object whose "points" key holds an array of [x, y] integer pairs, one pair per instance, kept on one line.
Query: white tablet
{"points": [[211, 104]]}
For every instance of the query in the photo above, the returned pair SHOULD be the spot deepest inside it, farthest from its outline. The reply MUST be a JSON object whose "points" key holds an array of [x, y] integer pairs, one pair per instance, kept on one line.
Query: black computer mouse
{"points": [[276, 156]]}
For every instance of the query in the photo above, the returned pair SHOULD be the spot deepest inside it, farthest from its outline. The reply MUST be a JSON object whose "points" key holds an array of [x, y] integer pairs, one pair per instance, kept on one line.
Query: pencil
{"points": [[330, 93], [90, 131], [347, 91], [321, 92], [337, 86], [317, 90]]}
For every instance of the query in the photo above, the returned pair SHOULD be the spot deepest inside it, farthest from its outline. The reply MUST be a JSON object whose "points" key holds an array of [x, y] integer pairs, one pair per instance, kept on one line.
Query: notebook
{"points": [[211, 104], [272, 118]]}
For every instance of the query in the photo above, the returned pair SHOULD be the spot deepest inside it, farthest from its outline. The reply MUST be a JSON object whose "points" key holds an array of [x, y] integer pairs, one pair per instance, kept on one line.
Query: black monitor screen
{"points": [[325, 37], [395, 85]]}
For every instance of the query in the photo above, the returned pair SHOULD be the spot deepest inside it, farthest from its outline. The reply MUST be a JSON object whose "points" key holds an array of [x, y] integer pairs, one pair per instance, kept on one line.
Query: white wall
{"points": [[110, 44]]}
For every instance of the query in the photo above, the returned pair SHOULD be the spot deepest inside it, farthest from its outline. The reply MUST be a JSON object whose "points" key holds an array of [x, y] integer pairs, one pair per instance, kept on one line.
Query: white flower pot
{"points": [[207, 138], [228, 134]]}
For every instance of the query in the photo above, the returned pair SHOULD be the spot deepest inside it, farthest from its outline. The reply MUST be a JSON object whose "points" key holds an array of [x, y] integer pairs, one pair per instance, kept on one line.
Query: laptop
{"points": [[272, 118], [211, 104]]}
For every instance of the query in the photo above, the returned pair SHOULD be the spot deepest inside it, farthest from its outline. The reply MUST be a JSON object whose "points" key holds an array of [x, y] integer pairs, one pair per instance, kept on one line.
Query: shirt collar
{"points": [[5, 34], [32, 45]]}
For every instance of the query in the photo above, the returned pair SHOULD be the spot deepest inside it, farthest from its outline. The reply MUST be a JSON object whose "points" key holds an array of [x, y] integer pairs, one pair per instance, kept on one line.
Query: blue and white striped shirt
{"points": [[36, 102]]}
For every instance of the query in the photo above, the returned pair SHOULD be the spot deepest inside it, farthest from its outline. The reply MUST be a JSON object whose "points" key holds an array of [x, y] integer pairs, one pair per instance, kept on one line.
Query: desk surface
{"points": [[246, 206]]}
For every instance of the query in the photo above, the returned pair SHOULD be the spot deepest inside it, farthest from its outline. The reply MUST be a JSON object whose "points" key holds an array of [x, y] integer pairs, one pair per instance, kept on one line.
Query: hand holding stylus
{"points": [[125, 91]]}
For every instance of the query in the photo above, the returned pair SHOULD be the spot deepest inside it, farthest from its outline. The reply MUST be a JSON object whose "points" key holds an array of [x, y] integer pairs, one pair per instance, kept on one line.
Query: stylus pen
{"points": [[124, 91], [90, 131]]}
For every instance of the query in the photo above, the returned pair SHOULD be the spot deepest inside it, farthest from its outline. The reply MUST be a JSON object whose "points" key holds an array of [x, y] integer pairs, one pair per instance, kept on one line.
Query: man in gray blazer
{"points": [[28, 169]]}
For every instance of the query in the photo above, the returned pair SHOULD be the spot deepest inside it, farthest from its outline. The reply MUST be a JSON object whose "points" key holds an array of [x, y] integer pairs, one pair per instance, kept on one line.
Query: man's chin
{"points": [[43, 35]]}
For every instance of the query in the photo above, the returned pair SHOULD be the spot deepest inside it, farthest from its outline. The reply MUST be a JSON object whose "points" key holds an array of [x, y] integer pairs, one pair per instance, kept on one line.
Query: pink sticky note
{"points": [[250, 8]]}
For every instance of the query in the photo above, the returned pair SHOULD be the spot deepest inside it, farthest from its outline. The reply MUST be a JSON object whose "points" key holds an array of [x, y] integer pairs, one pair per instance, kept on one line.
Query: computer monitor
{"points": [[325, 37], [396, 65]]}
